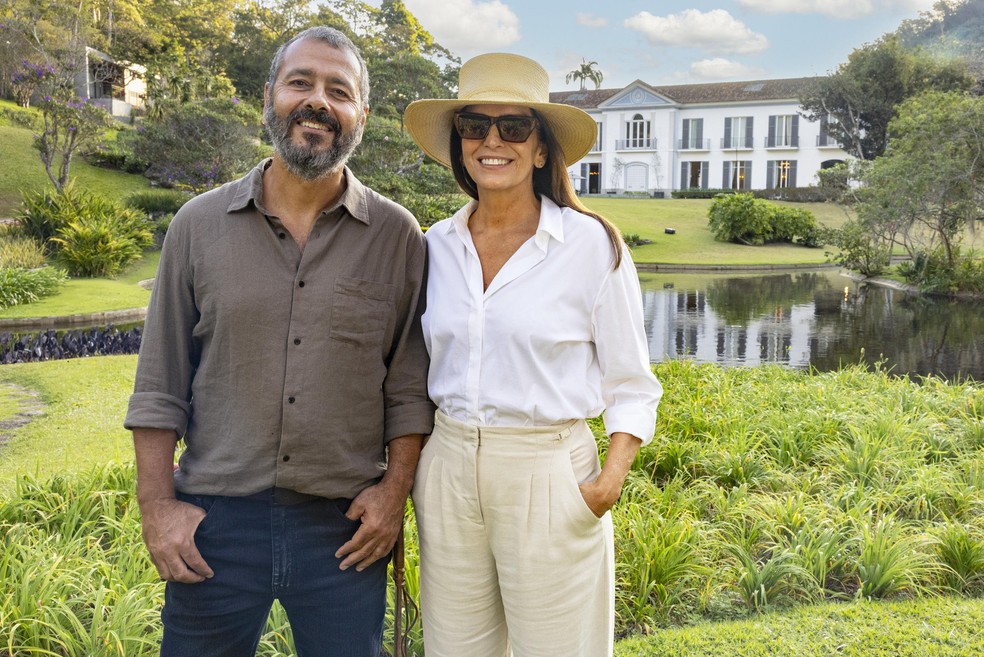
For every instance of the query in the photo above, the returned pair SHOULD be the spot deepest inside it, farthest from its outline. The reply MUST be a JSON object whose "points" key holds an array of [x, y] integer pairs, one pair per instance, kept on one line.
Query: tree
{"points": [[201, 144], [260, 28], [927, 187], [68, 124], [860, 98], [586, 71]]}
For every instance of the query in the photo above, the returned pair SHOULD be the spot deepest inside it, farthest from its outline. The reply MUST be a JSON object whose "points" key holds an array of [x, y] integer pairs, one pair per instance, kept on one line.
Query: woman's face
{"points": [[496, 165]]}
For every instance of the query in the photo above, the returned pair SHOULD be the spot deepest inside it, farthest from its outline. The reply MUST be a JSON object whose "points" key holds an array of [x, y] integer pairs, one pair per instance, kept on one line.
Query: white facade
{"points": [[745, 135]]}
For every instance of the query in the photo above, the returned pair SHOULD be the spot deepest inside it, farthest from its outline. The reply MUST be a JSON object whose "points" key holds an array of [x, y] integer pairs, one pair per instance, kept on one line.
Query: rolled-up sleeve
{"points": [[168, 351], [408, 408], [630, 390]]}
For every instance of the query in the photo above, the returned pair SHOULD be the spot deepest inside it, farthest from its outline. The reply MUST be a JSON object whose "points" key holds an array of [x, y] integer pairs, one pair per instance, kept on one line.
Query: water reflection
{"points": [[815, 318]]}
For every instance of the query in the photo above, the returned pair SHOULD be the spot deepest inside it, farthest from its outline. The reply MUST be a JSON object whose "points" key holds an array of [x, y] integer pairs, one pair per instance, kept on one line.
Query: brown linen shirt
{"points": [[283, 368]]}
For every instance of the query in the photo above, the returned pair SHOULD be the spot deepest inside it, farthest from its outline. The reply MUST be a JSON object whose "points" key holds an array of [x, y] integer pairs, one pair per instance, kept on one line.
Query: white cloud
{"points": [[590, 20], [846, 9], [467, 25], [715, 31], [723, 69]]}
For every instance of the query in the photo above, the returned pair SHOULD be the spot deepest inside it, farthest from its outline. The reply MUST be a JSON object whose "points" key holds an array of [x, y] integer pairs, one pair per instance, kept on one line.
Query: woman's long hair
{"points": [[551, 180]]}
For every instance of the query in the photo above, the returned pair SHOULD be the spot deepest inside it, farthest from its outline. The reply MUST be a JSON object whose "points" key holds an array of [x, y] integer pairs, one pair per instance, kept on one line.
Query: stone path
{"points": [[29, 407]]}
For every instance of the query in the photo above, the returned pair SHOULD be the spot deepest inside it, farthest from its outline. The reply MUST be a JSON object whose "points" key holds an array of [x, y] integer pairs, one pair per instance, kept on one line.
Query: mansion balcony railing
{"points": [[737, 145], [826, 141], [694, 145], [635, 144]]}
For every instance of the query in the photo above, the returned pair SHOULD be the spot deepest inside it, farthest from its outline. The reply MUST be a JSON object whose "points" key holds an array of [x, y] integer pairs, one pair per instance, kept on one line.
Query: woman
{"points": [[533, 323]]}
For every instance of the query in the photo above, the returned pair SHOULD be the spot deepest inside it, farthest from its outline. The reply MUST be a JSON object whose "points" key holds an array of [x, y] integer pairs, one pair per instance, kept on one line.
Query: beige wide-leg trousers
{"points": [[512, 560]]}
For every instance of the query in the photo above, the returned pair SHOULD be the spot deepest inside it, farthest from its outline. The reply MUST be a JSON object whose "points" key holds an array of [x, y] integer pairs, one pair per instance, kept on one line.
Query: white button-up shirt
{"points": [[558, 335]]}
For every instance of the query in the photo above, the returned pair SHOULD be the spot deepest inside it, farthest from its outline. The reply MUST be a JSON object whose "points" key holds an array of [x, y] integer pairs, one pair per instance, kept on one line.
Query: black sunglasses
{"points": [[515, 129]]}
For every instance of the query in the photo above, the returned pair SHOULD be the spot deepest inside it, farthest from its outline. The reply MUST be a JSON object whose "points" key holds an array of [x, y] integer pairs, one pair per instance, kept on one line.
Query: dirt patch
{"points": [[29, 406]]}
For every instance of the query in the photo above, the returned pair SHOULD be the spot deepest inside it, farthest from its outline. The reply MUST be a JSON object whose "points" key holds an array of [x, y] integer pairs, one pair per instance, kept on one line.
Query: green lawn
{"points": [[22, 171], [693, 243], [82, 424], [92, 295], [937, 627]]}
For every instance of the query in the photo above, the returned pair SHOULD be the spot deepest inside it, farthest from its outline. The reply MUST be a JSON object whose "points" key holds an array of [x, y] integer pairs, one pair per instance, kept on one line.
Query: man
{"points": [[283, 345]]}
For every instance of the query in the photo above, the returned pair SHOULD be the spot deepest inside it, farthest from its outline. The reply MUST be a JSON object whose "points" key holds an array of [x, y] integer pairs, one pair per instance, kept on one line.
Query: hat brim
{"points": [[430, 123]]}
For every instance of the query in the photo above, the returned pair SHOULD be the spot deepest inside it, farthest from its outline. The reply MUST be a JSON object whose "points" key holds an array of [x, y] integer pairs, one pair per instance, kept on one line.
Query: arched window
{"points": [[637, 132]]}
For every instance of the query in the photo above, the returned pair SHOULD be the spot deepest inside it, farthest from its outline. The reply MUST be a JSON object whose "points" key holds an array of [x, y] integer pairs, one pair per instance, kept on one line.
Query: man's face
{"points": [[313, 112]]}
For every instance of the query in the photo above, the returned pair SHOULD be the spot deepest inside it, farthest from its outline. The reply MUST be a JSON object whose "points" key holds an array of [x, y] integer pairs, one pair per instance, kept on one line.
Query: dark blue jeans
{"points": [[262, 550]]}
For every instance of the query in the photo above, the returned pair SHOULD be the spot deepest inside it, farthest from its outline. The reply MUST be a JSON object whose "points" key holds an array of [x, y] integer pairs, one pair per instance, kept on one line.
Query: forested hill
{"points": [[952, 29]]}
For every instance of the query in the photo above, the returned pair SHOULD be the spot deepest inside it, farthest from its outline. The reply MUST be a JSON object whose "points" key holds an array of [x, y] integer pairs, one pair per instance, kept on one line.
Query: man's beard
{"points": [[311, 160]]}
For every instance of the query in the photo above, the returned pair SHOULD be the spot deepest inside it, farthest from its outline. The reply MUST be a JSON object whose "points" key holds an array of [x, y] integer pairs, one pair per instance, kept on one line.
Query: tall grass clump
{"points": [[20, 286], [157, 202], [19, 252]]}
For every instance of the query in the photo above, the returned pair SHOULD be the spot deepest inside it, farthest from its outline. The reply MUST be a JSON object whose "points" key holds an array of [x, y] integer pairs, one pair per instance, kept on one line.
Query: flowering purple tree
{"points": [[28, 79], [69, 122]]}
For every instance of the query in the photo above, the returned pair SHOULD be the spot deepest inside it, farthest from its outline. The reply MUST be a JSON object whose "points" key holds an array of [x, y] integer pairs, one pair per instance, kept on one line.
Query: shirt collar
{"points": [[249, 190], [551, 222]]}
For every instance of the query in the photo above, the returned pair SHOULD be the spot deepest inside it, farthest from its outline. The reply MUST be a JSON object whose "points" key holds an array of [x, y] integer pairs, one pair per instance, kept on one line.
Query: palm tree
{"points": [[586, 71]]}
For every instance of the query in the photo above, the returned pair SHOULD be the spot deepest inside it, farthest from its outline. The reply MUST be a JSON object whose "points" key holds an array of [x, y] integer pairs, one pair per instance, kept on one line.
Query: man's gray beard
{"points": [[308, 161]]}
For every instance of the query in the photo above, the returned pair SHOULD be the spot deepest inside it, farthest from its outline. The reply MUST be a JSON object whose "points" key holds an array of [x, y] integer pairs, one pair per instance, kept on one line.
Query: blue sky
{"points": [[668, 41]]}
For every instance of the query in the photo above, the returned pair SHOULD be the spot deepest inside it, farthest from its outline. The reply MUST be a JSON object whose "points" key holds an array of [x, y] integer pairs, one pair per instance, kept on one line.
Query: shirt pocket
{"points": [[361, 311]]}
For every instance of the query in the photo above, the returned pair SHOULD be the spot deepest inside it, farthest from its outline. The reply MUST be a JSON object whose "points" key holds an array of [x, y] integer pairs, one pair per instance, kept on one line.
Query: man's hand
{"points": [[168, 525], [380, 508], [169, 532]]}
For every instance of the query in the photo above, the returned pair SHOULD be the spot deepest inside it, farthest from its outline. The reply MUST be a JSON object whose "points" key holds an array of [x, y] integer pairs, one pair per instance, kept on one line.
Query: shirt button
{"points": [[282, 236], [297, 341], [290, 400], [286, 458], [301, 284]]}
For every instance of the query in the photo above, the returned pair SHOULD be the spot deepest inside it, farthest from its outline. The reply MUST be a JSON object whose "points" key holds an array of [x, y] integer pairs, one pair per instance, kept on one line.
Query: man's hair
{"points": [[335, 39]]}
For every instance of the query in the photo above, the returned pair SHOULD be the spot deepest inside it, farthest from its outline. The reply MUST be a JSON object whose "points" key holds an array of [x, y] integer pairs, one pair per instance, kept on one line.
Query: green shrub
{"points": [[103, 244], [19, 252], [701, 193], [740, 218], [745, 219], [19, 286], [117, 154], [199, 145], [22, 117], [795, 225], [858, 250], [89, 234], [157, 202]]}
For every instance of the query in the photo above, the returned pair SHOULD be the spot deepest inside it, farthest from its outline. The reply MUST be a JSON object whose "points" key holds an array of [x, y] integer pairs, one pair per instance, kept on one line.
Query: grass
{"points": [[772, 510], [91, 295], [82, 424], [910, 628], [23, 171], [693, 242]]}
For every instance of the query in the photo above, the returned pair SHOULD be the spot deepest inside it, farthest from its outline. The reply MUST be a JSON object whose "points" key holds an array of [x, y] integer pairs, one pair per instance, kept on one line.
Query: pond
{"points": [[815, 318], [810, 318]]}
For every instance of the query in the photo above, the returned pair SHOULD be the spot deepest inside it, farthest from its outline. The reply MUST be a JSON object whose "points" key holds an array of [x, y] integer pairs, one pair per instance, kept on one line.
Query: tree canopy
{"points": [[860, 98], [587, 71]]}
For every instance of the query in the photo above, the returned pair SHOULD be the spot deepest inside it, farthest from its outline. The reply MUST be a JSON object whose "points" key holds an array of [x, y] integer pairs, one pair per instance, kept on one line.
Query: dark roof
{"points": [[586, 99], [695, 94]]}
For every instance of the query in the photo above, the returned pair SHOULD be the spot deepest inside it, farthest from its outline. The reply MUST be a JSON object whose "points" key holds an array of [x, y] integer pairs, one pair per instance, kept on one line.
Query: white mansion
{"points": [[737, 135]]}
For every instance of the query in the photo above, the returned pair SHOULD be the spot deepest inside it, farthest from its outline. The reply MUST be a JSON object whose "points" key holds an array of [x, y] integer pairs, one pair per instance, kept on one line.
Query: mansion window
{"points": [[638, 132], [693, 135], [780, 174], [737, 174], [694, 175], [738, 132], [598, 141], [783, 131]]}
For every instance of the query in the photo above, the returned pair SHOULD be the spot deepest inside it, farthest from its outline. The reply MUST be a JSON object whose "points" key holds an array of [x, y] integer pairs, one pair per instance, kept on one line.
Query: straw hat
{"points": [[500, 79]]}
